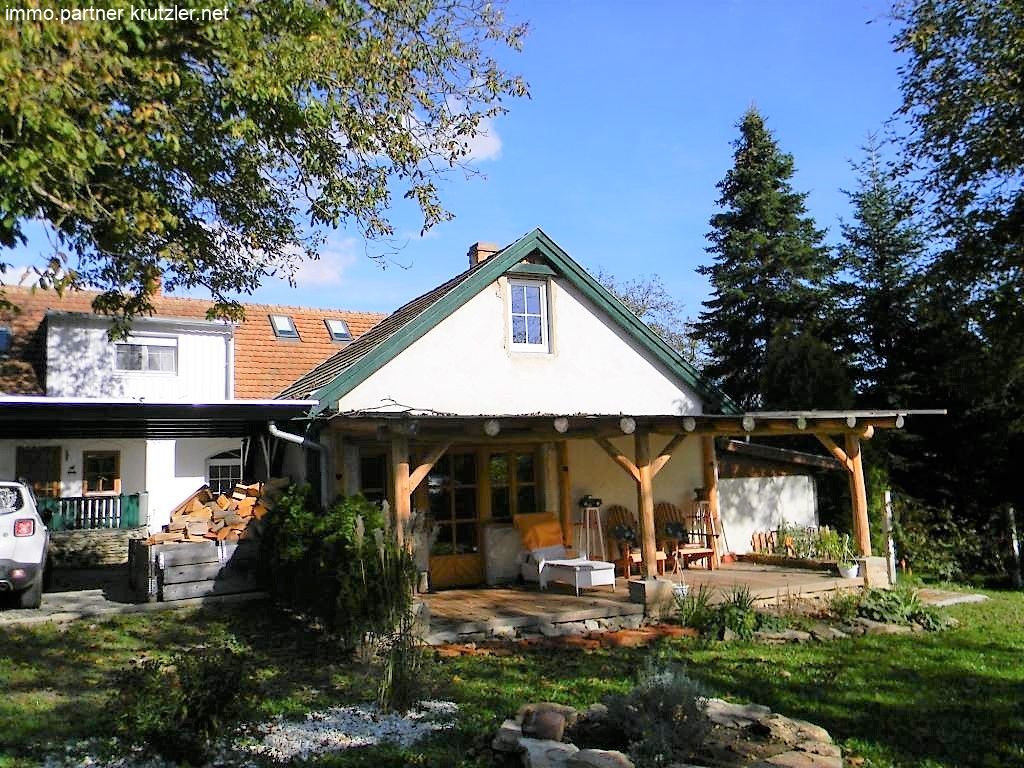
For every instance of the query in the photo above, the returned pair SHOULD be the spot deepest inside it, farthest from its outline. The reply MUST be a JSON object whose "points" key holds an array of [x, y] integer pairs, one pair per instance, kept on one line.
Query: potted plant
{"points": [[846, 563]]}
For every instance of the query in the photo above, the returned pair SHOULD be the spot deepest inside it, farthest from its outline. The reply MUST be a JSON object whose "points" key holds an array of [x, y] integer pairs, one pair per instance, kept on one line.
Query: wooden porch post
{"points": [[711, 486], [645, 497], [402, 491], [565, 493], [858, 496]]}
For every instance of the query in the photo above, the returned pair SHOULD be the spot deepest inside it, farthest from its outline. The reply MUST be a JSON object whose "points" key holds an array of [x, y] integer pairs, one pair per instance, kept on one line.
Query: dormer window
{"points": [[284, 327], [338, 329], [528, 315], [152, 354]]}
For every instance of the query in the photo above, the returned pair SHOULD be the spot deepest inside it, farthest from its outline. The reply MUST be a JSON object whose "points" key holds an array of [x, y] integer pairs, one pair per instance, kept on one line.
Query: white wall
{"points": [[133, 461], [751, 504], [80, 361], [175, 469], [464, 366]]}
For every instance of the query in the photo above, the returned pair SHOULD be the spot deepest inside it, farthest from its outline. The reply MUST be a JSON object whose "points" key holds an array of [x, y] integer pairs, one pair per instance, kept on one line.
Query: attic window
{"points": [[5, 338], [338, 329], [528, 320], [284, 327]]}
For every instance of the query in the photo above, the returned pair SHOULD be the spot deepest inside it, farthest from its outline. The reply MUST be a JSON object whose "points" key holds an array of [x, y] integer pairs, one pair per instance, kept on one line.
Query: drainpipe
{"points": [[310, 444], [229, 385]]}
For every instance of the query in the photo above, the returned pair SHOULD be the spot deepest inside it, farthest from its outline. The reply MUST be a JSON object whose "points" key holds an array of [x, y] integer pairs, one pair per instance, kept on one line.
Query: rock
{"points": [[503, 633], [596, 712], [631, 622], [507, 738], [785, 636], [888, 629], [591, 625], [546, 754], [790, 731], [728, 635], [822, 748], [528, 712], [550, 630], [548, 726], [599, 758], [796, 759], [825, 632], [731, 715]]}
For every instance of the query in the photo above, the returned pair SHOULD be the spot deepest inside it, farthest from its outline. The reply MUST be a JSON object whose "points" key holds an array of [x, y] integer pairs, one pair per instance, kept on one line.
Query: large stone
{"points": [[548, 726], [872, 627], [550, 630], [528, 712], [730, 715], [507, 738], [599, 758], [791, 731], [538, 753], [785, 636], [826, 632], [795, 759], [820, 748]]}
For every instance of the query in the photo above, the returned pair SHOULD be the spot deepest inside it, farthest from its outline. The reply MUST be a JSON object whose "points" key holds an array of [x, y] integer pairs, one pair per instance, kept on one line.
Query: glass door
{"points": [[452, 490]]}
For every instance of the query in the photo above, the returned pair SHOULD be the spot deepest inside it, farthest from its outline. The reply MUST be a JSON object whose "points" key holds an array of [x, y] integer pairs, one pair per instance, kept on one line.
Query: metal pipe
{"points": [[305, 442]]}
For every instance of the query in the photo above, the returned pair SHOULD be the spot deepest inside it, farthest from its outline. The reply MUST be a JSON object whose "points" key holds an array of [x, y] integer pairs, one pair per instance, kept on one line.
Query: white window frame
{"points": [[147, 341], [219, 460], [544, 345]]}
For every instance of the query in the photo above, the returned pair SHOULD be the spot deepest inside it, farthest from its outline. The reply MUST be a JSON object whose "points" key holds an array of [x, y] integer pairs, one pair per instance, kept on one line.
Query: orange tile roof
{"points": [[264, 364]]}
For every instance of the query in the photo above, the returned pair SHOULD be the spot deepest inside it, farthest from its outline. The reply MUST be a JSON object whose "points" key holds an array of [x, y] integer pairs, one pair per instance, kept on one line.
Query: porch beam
{"points": [[565, 493], [858, 496], [835, 450], [666, 453], [618, 456], [710, 470], [400, 480], [420, 473], [645, 496]]}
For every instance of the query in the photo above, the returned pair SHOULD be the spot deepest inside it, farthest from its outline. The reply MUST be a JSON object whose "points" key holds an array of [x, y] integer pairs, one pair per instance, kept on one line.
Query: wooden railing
{"points": [[92, 512]]}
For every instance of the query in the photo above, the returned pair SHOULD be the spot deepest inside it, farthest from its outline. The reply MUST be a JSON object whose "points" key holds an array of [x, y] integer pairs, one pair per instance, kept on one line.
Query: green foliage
{"points": [[934, 541], [899, 605], [694, 608], [202, 152], [661, 719], [736, 613], [176, 708], [843, 605], [339, 565], [401, 684], [769, 279]]}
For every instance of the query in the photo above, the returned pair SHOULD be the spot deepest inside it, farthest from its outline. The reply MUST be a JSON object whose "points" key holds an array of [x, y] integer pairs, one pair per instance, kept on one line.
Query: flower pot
{"points": [[847, 570]]}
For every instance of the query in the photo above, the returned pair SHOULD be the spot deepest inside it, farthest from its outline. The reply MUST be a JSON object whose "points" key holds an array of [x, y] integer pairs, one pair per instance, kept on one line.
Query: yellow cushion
{"points": [[539, 530]]}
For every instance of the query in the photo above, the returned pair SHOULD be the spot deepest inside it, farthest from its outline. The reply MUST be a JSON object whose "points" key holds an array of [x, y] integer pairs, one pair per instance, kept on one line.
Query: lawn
{"points": [[954, 698]]}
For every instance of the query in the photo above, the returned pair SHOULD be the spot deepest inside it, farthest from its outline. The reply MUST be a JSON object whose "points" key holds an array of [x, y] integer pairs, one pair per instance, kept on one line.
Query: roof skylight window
{"points": [[284, 327], [338, 329]]}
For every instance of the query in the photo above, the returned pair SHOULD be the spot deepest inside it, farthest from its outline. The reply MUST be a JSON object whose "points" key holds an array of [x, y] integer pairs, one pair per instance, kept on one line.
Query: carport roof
{"points": [[37, 418]]}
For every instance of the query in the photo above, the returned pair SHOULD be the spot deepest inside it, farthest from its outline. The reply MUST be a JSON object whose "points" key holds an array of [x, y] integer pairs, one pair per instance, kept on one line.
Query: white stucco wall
{"points": [[80, 361], [751, 504], [175, 469], [464, 366], [133, 461]]}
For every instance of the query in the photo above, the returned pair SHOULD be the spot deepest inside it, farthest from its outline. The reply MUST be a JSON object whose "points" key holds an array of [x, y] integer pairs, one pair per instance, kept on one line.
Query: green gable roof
{"points": [[341, 373]]}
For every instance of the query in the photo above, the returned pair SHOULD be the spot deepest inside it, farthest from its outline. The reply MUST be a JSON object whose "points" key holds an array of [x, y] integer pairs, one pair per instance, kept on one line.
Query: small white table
{"points": [[579, 572]]}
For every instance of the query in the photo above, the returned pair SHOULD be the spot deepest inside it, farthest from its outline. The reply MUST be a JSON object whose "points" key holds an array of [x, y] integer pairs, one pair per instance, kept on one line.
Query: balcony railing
{"points": [[79, 513]]}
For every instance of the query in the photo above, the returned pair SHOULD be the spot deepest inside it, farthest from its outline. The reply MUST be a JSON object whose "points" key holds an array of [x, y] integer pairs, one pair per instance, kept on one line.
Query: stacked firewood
{"points": [[204, 516]]}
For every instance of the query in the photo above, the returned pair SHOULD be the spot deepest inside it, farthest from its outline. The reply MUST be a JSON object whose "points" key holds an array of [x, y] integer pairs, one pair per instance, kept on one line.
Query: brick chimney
{"points": [[481, 252]]}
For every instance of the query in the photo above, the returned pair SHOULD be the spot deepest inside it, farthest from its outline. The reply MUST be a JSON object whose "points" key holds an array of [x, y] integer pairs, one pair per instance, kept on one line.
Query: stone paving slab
{"points": [[942, 598]]}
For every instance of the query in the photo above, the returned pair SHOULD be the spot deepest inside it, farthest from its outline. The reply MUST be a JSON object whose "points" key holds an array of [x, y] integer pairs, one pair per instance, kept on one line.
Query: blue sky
{"points": [[617, 153]]}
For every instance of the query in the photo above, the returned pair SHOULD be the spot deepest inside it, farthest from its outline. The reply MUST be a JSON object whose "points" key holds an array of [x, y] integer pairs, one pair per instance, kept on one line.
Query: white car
{"points": [[24, 541]]}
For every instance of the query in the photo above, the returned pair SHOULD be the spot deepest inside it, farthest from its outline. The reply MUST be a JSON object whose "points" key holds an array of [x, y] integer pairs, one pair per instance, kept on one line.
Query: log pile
{"points": [[204, 516]]}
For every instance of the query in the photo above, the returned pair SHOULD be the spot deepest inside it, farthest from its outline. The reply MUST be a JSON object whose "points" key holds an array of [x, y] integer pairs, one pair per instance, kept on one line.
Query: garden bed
{"points": [[787, 561]]}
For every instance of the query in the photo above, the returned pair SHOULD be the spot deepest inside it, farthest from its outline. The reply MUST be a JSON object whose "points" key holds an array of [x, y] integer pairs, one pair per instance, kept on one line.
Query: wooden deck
{"points": [[494, 611]]}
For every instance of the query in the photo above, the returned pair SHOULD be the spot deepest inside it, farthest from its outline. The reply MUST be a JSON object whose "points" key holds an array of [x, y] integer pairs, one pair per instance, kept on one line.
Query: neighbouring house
{"points": [[519, 386]]}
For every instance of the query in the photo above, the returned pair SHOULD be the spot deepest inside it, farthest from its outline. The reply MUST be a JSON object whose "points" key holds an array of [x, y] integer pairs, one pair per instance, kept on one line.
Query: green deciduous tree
{"points": [[770, 280], [214, 153], [648, 299]]}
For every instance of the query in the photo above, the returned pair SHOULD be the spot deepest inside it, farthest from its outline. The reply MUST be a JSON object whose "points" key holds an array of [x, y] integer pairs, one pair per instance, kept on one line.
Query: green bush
{"points": [[934, 541], [736, 614], [843, 605], [176, 708], [694, 608], [339, 565], [899, 605]]}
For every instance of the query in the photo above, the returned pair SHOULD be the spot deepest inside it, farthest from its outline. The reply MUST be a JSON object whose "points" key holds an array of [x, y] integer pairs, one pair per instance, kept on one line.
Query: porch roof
{"points": [[25, 417], [552, 426]]}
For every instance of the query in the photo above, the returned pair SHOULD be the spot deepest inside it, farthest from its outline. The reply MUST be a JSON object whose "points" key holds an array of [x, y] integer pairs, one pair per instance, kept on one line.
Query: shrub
{"points": [[934, 541], [843, 605], [694, 608], [401, 685], [662, 719], [899, 605], [736, 613], [176, 708]]}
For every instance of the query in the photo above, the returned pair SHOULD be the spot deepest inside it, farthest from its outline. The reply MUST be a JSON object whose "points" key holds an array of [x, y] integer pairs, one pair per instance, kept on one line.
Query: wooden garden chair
{"points": [[686, 537], [620, 519]]}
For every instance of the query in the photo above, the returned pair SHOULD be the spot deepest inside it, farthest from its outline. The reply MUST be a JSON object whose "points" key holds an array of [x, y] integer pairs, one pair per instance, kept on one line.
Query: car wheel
{"points": [[33, 596]]}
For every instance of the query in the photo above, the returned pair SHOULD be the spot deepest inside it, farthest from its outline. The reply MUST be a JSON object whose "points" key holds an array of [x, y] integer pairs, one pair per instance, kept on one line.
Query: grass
{"points": [[922, 701]]}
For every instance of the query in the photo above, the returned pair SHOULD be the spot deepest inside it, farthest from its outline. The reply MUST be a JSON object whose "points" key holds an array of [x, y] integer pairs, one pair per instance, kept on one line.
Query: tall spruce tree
{"points": [[883, 250], [770, 280]]}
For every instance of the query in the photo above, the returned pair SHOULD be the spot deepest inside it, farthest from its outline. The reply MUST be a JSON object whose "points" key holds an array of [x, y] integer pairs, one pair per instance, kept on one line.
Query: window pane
{"points": [[371, 472], [443, 544], [533, 330], [464, 468], [500, 507], [465, 538], [499, 469], [161, 359], [440, 504], [524, 468], [465, 503], [518, 299], [526, 499], [533, 299], [518, 330], [129, 357]]}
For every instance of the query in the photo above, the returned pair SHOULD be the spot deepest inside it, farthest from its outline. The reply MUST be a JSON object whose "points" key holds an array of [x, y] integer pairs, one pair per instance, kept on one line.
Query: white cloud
{"points": [[486, 145], [336, 256], [20, 275]]}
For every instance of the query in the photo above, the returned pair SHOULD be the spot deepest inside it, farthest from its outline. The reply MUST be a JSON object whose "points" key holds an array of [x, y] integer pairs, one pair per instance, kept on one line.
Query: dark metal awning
{"points": [[39, 418]]}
